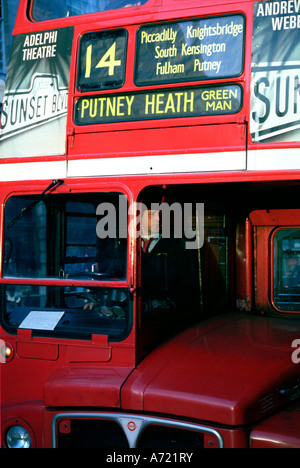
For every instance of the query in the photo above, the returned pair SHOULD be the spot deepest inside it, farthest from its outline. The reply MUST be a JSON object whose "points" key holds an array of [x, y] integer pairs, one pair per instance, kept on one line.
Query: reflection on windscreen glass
{"points": [[66, 311], [67, 237], [44, 10]]}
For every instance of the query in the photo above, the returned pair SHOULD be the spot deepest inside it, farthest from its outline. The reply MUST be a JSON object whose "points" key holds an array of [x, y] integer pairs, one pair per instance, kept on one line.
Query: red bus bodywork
{"points": [[231, 379]]}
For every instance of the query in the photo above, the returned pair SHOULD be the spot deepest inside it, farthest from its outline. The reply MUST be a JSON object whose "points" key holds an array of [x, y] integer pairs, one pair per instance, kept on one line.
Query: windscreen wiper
{"points": [[53, 185]]}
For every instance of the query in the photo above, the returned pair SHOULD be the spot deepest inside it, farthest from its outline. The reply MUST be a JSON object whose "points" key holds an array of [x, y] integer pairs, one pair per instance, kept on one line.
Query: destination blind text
{"points": [[190, 50], [198, 101]]}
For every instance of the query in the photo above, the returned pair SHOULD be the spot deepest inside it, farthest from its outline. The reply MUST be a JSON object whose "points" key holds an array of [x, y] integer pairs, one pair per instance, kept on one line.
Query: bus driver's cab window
{"points": [[57, 239]]}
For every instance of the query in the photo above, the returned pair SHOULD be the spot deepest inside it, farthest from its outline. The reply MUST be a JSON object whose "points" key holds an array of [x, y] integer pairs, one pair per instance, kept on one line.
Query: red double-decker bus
{"points": [[150, 227]]}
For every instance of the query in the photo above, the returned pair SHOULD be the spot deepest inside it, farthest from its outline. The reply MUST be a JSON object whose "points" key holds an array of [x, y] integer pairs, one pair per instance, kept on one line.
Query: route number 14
{"points": [[107, 61], [102, 60]]}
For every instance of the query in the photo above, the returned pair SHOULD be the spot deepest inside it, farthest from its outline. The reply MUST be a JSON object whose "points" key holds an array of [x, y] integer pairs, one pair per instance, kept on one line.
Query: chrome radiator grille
{"points": [[123, 431]]}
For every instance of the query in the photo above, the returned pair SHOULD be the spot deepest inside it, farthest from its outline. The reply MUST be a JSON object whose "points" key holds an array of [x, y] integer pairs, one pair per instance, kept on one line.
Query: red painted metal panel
{"points": [[275, 217], [228, 370], [42, 351], [85, 387], [280, 431], [88, 354], [172, 140]]}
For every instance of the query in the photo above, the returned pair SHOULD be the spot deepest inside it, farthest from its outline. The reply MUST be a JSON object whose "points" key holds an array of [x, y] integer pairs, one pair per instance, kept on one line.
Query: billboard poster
{"points": [[34, 114], [275, 87]]}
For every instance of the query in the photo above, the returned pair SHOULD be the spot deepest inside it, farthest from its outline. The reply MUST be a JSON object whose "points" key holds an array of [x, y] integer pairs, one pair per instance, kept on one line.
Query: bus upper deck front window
{"points": [[44, 10], [78, 237]]}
